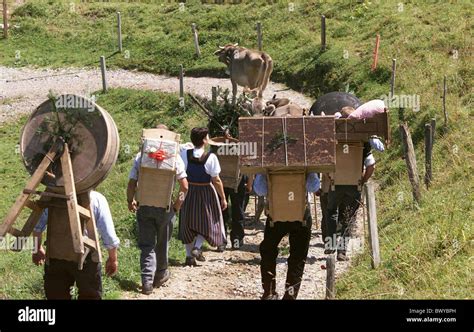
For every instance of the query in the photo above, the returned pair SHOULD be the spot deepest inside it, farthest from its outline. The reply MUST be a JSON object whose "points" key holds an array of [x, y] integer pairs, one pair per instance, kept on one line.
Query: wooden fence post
{"points": [[392, 81], [376, 52], [181, 86], [5, 19], [119, 31], [428, 154], [330, 277], [103, 71], [323, 33], [433, 130], [410, 159], [445, 88], [259, 36], [196, 40], [214, 95], [373, 231]]}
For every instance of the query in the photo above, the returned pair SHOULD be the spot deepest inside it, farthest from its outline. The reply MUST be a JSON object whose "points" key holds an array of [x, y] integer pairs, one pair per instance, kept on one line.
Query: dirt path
{"points": [[236, 274], [228, 275], [23, 89]]}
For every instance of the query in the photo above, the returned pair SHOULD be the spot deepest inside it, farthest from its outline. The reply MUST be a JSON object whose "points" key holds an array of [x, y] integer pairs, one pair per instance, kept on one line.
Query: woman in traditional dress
{"points": [[201, 214]]}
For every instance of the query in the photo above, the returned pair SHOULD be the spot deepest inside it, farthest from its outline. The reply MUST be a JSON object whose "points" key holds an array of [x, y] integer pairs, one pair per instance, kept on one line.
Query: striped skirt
{"points": [[201, 214]]}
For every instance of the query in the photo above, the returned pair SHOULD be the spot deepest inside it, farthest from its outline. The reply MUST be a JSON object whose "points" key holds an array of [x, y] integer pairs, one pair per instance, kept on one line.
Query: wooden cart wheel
{"points": [[89, 131]]}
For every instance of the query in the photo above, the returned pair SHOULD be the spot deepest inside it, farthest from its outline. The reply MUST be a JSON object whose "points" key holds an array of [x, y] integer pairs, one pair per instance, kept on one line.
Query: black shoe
{"points": [[269, 296], [221, 248], [147, 288], [341, 256], [158, 282], [190, 261], [329, 251], [197, 253]]}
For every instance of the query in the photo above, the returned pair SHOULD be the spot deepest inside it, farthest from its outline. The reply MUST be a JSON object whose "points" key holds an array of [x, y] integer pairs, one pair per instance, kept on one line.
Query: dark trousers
{"points": [[343, 203], [155, 228], [323, 199], [299, 243], [234, 216], [60, 276]]}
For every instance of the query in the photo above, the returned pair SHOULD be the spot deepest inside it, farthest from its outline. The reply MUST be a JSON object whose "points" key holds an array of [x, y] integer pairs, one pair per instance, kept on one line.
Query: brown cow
{"points": [[248, 68]]}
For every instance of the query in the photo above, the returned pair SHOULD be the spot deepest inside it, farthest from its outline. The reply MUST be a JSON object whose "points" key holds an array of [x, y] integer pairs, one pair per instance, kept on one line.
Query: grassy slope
{"points": [[426, 251]]}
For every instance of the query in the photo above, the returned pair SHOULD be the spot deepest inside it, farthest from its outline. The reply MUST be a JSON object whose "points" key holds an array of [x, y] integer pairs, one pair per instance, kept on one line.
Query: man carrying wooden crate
{"points": [[61, 269], [155, 222], [275, 229], [344, 198]]}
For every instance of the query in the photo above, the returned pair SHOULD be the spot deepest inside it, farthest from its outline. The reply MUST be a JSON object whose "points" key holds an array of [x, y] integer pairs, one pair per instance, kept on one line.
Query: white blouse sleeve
{"points": [[212, 166]]}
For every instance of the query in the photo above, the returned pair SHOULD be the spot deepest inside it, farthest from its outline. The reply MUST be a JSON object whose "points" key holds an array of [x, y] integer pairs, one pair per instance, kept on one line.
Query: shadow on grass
{"points": [[127, 285]]}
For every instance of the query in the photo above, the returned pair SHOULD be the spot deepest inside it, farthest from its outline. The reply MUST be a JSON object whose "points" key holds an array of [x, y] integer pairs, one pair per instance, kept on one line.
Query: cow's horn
{"points": [[236, 44]]}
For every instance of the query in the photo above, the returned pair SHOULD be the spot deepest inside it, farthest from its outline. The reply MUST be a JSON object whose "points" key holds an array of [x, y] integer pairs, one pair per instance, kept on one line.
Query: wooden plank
{"points": [[119, 31], [44, 193], [330, 277], [428, 154], [92, 233], [5, 19], [259, 36], [433, 130], [83, 212], [323, 33], [373, 231], [103, 70], [32, 205], [410, 160], [316, 220], [196, 40], [32, 183], [445, 111], [73, 212], [15, 232], [91, 243], [31, 222], [392, 80]]}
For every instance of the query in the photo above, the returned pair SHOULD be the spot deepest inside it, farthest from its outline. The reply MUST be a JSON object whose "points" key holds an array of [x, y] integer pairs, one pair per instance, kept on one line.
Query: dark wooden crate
{"points": [[351, 130], [310, 143], [230, 174]]}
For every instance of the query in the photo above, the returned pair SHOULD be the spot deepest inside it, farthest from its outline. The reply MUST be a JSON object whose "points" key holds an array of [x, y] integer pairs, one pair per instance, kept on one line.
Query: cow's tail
{"points": [[267, 71]]}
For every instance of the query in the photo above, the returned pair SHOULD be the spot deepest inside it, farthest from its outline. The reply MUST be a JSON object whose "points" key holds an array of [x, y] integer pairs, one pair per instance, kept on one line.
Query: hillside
{"points": [[426, 250]]}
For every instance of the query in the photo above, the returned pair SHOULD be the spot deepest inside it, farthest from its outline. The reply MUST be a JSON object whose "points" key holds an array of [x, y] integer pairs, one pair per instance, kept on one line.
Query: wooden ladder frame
{"points": [[82, 244]]}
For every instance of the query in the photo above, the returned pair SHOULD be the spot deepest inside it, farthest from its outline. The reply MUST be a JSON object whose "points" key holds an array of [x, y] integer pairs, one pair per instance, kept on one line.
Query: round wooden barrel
{"points": [[89, 131], [332, 102]]}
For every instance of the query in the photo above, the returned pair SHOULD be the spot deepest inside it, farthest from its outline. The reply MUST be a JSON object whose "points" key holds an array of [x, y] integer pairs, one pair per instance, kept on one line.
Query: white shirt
{"points": [[212, 166], [180, 168], [103, 220]]}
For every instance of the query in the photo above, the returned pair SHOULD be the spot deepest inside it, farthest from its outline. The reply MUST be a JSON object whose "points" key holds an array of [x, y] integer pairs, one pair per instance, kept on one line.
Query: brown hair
{"points": [[346, 110], [198, 134]]}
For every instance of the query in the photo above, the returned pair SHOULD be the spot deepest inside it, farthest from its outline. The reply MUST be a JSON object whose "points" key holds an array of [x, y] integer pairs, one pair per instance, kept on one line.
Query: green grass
{"points": [[426, 250], [132, 110]]}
